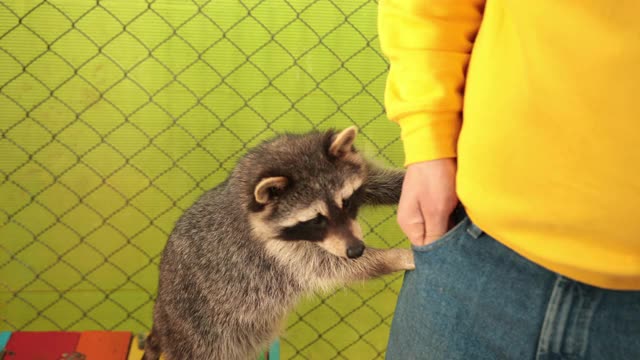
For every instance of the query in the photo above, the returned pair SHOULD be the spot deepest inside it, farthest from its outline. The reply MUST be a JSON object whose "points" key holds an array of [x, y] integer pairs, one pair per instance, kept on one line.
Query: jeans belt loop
{"points": [[474, 230]]}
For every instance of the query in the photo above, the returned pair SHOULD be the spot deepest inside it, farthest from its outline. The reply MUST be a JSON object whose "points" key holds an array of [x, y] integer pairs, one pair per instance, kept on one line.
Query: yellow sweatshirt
{"points": [[540, 102]]}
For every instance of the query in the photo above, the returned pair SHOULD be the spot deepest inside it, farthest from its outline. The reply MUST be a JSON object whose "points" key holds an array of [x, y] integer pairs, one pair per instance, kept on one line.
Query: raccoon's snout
{"points": [[355, 251]]}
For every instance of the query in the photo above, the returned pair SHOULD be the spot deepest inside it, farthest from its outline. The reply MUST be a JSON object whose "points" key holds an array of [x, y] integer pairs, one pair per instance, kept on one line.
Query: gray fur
{"points": [[226, 284]]}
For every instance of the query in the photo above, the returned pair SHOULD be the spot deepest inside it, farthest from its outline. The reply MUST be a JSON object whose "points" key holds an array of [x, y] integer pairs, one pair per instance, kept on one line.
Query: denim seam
{"points": [[583, 321]]}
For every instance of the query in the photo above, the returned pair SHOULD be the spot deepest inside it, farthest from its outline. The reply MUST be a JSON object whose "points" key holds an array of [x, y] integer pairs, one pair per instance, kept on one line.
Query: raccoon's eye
{"points": [[346, 203], [316, 221], [310, 230]]}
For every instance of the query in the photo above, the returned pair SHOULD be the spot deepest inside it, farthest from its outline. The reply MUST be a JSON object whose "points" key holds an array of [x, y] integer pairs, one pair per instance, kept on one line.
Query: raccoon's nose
{"points": [[355, 251]]}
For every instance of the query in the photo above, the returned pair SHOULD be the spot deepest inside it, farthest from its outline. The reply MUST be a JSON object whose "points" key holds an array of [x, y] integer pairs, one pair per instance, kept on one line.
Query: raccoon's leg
{"points": [[373, 263], [152, 346], [383, 261], [383, 186]]}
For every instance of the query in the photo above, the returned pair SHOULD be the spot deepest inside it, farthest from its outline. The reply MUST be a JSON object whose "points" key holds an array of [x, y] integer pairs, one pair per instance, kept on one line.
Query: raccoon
{"points": [[281, 226]]}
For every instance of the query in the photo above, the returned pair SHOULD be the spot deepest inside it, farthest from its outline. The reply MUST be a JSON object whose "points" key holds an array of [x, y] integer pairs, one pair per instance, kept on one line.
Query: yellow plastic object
{"points": [[134, 351]]}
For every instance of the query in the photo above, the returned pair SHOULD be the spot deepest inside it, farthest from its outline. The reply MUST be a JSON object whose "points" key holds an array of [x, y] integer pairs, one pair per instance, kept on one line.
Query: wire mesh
{"points": [[115, 116]]}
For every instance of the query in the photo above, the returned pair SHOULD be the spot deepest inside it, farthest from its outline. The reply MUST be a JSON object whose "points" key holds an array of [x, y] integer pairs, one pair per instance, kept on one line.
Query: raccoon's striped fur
{"points": [[281, 226]]}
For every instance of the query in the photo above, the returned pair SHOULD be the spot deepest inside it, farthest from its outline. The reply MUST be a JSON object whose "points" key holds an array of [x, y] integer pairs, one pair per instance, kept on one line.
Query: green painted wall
{"points": [[116, 115]]}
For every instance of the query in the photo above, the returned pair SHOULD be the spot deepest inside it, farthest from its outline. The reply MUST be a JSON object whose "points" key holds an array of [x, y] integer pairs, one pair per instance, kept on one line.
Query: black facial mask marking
{"points": [[316, 229], [310, 230], [352, 203]]}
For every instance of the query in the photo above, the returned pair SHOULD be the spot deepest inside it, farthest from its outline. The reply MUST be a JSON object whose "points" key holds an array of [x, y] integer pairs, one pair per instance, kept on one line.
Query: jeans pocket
{"points": [[444, 239]]}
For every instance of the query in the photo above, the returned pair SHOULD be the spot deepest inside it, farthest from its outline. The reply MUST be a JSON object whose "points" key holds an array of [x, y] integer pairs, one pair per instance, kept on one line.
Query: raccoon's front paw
{"points": [[403, 259]]}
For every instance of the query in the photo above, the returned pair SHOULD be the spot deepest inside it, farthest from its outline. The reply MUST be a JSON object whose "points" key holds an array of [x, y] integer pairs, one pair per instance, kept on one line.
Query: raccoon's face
{"points": [[310, 190]]}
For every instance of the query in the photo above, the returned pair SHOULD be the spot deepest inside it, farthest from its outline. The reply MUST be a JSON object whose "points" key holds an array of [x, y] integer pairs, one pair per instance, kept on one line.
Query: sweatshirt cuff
{"points": [[429, 136]]}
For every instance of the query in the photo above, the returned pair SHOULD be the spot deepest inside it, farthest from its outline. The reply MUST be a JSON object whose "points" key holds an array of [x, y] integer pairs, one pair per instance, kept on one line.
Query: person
{"points": [[520, 125]]}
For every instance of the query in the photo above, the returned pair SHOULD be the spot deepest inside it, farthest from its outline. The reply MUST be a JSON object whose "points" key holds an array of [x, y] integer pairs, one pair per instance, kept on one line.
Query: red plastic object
{"points": [[28, 345]]}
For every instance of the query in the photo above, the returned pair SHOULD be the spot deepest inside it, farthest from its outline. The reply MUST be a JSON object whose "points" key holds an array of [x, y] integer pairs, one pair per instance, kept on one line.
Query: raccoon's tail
{"points": [[152, 348]]}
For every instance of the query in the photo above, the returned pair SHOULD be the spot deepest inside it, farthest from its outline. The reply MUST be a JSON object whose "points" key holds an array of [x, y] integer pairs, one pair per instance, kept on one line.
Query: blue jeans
{"points": [[470, 297]]}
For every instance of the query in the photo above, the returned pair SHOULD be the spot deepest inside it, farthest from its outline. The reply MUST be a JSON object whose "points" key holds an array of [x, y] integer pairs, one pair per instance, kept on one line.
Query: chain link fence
{"points": [[116, 115]]}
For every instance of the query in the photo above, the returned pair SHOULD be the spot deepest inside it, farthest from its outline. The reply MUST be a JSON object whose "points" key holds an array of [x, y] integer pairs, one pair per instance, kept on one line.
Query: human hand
{"points": [[428, 198]]}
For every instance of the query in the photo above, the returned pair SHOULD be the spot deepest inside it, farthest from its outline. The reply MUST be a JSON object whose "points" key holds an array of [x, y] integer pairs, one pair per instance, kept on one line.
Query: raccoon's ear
{"points": [[268, 187], [342, 143]]}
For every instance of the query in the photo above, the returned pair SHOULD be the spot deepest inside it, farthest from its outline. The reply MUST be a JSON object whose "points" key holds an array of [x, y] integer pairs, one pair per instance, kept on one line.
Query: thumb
{"points": [[436, 225]]}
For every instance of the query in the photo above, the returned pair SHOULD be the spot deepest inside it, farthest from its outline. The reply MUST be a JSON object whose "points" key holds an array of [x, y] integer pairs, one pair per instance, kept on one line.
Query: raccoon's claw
{"points": [[403, 259], [408, 260]]}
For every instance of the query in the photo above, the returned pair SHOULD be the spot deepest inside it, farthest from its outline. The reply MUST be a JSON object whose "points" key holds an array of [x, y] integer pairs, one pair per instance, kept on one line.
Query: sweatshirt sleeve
{"points": [[428, 44]]}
